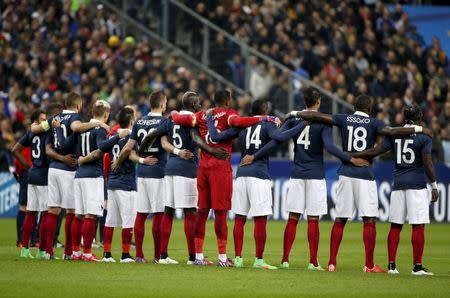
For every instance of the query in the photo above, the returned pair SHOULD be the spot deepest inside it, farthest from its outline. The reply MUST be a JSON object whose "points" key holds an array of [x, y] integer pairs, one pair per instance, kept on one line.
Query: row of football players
{"points": [[307, 191], [77, 185]]}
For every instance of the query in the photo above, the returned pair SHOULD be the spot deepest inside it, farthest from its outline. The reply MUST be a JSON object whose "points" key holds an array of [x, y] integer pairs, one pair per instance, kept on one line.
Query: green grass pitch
{"points": [[58, 278]]}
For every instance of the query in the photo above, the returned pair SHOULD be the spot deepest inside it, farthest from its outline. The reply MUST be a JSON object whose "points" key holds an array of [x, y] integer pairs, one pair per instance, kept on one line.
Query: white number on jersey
{"points": [[115, 151], [402, 153], [303, 138], [142, 132], [55, 135], [356, 138], [176, 138], [85, 145], [207, 137], [36, 152], [254, 139]]}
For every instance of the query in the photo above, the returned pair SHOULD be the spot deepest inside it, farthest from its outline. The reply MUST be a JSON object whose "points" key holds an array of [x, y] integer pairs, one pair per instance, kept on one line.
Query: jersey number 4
{"points": [[405, 153], [303, 138]]}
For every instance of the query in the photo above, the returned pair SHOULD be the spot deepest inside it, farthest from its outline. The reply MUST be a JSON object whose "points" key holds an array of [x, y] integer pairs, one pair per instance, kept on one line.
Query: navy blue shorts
{"points": [[23, 190]]}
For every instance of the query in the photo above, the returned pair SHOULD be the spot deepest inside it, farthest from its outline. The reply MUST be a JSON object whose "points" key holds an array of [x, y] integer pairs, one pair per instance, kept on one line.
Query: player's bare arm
{"points": [[66, 159], [398, 132], [93, 156], [182, 153], [80, 127], [431, 174], [371, 153], [312, 116], [328, 144], [124, 154], [149, 160], [44, 126], [17, 153], [219, 153]]}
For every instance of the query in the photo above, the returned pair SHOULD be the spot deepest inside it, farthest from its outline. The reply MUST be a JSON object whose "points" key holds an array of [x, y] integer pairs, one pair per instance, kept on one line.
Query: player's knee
{"points": [[238, 216], [189, 210], [313, 218], [369, 219], [23, 207], [169, 211], [341, 220], [294, 215]]}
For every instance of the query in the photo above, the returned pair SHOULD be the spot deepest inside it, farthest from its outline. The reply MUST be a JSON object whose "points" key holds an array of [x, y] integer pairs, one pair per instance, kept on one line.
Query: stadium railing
{"points": [[173, 24]]}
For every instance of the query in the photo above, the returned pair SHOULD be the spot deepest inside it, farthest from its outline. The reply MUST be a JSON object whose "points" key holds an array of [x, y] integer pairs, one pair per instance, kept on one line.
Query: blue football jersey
{"points": [[407, 152], [309, 145], [180, 138], [140, 130], [359, 132], [251, 140], [89, 142], [61, 138], [125, 177], [38, 173]]}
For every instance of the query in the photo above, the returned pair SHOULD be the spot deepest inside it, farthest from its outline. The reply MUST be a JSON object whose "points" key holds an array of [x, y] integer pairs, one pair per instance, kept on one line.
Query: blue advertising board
{"points": [[279, 171]]}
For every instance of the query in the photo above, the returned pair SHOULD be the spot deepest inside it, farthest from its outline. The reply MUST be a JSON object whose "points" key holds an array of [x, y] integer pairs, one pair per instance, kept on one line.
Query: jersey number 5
{"points": [[403, 152]]}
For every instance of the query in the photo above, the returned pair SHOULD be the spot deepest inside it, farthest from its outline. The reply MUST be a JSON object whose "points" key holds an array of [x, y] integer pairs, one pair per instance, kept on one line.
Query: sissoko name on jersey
{"points": [[359, 132]]}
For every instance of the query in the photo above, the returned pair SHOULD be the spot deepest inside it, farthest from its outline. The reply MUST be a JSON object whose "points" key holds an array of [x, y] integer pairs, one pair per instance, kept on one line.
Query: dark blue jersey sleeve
{"points": [[427, 145], [107, 144], [379, 125], [387, 143], [101, 136], [268, 148], [281, 135], [164, 128], [66, 143], [217, 136], [340, 119], [327, 140], [25, 140]]}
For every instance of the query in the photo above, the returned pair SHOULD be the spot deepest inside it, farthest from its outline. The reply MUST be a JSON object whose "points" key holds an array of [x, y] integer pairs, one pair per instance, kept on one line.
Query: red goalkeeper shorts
{"points": [[215, 184]]}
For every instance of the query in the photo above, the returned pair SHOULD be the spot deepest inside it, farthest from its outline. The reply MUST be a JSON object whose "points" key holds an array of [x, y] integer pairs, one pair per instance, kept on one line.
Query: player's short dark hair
{"points": [[412, 113], [73, 99], [54, 109], [126, 115], [100, 107], [188, 98], [363, 102], [156, 98], [221, 97], [311, 96], [259, 107], [35, 114]]}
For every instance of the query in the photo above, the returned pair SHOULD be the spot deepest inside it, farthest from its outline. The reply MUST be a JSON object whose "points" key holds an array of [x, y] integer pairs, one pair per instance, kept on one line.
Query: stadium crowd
{"points": [[48, 47]]}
